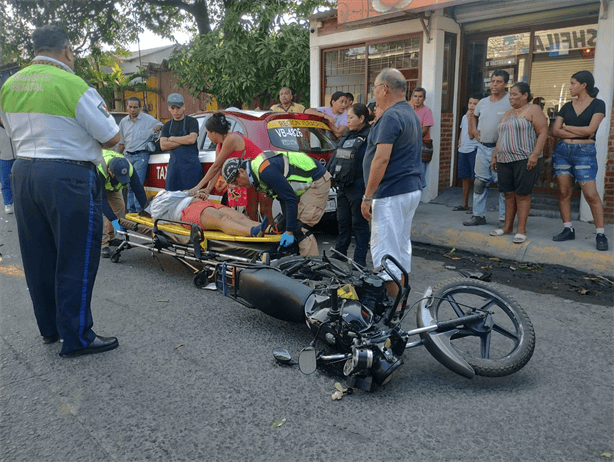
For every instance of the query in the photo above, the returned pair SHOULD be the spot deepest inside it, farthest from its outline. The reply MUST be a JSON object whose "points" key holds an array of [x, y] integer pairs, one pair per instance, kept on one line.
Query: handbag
{"points": [[427, 150]]}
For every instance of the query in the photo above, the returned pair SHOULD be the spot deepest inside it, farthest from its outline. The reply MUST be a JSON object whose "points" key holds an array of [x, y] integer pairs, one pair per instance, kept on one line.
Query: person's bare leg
{"points": [[523, 206], [466, 187], [591, 195], [510, 212], [227, 221], [565, 186]]}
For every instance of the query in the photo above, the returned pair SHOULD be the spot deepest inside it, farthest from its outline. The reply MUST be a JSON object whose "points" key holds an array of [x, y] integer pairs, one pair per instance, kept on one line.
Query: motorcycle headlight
{"points": [[383, 371]]}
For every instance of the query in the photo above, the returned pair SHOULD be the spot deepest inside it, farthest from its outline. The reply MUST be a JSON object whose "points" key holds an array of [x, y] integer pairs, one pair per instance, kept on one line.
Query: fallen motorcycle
{"points": [[470, 326]]}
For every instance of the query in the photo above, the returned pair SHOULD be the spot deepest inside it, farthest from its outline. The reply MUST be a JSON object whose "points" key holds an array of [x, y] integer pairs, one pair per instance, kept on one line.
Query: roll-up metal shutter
{"points": [[550, 78], [490, 15]]}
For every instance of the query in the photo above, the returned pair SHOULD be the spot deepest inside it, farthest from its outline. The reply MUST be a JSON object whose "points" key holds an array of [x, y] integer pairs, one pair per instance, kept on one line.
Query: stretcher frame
{"points": [[212, 256]]}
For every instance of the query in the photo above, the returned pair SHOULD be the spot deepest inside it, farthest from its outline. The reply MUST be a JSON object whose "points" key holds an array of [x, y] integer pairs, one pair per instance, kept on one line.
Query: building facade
{"points": [[452, 47]]}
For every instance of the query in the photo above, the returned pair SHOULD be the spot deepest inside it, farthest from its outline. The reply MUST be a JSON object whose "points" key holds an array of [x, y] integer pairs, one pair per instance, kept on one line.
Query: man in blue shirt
{"points": [[392, 171]]}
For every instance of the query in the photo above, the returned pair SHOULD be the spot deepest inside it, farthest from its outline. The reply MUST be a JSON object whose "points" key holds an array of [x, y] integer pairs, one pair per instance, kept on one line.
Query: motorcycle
{"points": [[470, 326]]}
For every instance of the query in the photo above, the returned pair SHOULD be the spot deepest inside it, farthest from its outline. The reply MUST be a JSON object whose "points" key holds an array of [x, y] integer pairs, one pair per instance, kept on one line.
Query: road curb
{"points": [[532, 251]]}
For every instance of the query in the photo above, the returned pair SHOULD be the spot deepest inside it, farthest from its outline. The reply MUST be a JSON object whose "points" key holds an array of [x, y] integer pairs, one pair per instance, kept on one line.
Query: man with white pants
{"points": [[490, 111], [392, 170]]}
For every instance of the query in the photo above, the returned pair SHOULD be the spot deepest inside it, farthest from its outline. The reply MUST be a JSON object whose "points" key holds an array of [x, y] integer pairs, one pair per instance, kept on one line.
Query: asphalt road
{"points": [[194, 379]]}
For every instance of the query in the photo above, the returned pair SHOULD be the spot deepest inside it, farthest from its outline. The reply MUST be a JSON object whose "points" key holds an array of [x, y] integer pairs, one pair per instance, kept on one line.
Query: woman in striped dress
{"points": [[518, 158]]}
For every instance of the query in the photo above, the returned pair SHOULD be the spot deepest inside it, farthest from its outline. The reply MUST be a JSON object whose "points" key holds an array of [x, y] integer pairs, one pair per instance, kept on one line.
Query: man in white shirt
{"points": [[135, 131]]}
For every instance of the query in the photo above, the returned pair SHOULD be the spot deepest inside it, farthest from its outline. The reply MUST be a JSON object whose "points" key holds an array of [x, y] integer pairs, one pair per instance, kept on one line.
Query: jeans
{"points": [[349, 218], [140, 162], [575, 159], [5, 180], [486, 175]]}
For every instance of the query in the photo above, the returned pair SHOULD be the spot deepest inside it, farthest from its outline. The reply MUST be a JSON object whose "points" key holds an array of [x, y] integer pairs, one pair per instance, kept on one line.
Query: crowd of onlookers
{"points": [[503, 140]]}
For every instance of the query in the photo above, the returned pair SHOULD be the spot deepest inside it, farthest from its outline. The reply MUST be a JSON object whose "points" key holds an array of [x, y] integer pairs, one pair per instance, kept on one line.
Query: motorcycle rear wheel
{"points": [[495, 347]]}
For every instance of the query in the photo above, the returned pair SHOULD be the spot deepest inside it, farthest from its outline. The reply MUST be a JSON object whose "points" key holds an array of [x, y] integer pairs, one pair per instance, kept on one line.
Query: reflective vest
{"points": [[104, 170], [298, 170]]}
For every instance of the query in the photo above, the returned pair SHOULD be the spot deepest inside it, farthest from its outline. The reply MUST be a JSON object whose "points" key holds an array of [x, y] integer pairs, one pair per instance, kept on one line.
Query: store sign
{"points": [[354, 10], [560, 42]]}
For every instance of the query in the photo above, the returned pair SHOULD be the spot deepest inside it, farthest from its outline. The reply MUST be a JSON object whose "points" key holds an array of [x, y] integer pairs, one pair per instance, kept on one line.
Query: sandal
{"points": [[458, 208], [497, 232], [519, 238]]}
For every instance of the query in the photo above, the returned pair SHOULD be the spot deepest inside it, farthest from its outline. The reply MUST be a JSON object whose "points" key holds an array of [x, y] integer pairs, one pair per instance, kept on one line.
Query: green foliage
{"points": [[253, 54], [245, 48], [107, 83]]}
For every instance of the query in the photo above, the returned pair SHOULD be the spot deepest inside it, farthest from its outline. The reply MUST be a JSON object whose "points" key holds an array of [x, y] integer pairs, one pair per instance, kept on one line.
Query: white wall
{"points": [[603, 71], [432, 70]]}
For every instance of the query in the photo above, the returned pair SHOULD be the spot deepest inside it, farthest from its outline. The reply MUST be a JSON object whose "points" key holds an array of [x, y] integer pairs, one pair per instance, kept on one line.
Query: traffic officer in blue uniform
{"points": [[58, 125]]}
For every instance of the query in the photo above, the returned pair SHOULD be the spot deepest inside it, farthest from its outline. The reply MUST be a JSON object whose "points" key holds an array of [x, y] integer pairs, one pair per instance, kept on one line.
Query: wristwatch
{"points": [[366, 199]]}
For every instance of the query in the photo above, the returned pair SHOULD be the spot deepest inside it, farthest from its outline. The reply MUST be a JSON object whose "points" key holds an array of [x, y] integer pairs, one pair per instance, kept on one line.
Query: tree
{"points": [[110, 85], [253, 53], [244, 48]]}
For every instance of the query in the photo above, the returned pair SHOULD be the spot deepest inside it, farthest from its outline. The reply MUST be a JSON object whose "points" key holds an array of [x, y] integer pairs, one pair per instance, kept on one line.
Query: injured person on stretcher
{"points": [[179, 206]]}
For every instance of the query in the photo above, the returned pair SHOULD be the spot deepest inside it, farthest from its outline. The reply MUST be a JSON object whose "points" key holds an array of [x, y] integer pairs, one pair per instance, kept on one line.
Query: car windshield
{"points": [[309, 136]]}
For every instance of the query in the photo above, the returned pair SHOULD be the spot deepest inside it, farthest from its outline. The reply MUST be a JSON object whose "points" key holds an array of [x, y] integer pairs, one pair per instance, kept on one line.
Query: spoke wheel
{"points": [[499, 344]]}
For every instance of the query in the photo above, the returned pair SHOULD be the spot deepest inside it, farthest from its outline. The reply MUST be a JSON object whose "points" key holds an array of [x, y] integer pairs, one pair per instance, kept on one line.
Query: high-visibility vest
{"points": [[103, 168], [298, 170]]}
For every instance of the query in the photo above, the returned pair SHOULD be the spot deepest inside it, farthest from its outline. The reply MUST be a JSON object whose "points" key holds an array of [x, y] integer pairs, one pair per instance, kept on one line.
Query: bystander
{"points": [[392, 173]]}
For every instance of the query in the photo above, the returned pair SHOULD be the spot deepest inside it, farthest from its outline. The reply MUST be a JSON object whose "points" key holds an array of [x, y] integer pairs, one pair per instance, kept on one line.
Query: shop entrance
{"points": [[543, 57]]}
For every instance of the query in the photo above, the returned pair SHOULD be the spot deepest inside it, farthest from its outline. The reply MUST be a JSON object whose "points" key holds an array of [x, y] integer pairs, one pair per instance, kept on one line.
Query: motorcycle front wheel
{"points": [[500, 344]]}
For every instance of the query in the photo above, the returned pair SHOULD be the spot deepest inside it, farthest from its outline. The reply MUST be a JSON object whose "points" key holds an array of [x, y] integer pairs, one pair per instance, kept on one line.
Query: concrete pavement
{"points": [[437, 224]]}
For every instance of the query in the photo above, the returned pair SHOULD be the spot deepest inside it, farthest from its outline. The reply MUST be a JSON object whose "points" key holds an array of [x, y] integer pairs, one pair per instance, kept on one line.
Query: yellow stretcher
{"points": [[192, 246]]}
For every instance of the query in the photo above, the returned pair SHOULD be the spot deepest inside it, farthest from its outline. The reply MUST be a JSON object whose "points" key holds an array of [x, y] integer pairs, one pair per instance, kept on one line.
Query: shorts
{"points": [[514, 176], [192, 212], [466, 164], [575, 159]]}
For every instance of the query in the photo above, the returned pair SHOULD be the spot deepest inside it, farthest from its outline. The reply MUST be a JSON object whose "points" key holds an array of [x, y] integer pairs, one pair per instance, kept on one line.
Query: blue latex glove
{"points": [[286, 240], [117, 226]]}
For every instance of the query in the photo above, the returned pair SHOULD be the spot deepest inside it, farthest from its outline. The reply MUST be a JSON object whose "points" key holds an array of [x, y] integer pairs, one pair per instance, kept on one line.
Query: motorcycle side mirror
{"points": [[307, 361], [282, 356]]}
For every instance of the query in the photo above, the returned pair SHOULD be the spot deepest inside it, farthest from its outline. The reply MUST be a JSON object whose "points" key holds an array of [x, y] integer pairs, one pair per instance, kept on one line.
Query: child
{"points": [[467, 149]]}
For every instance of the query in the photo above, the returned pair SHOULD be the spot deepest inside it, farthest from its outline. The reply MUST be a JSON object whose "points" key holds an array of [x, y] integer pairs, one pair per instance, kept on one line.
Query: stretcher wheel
{"points": [[200, 280], [115, 257]]}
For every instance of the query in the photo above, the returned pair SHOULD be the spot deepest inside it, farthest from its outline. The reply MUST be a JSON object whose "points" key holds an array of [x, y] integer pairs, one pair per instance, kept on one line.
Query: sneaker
{"points": [[8, 209], [105, 252], [602, 242], [475, 221], [568, 234]]}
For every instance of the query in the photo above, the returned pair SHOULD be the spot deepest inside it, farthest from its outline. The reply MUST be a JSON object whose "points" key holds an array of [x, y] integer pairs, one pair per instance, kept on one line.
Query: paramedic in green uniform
{"points": [[300, 184], [59, 126], [116, 173]]}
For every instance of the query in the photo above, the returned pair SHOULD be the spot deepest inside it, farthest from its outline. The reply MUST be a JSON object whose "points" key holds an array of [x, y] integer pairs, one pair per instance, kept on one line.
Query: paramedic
{"points": [[116, 173], [300, 183], [58, 124]]}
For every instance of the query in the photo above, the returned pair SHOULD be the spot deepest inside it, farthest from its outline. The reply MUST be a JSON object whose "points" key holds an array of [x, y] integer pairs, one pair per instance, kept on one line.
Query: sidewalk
{"points": [[437, 224]]}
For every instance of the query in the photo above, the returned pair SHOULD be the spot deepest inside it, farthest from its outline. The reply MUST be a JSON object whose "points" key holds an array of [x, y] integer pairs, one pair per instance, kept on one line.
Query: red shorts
{"points": [[192, 212]]}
